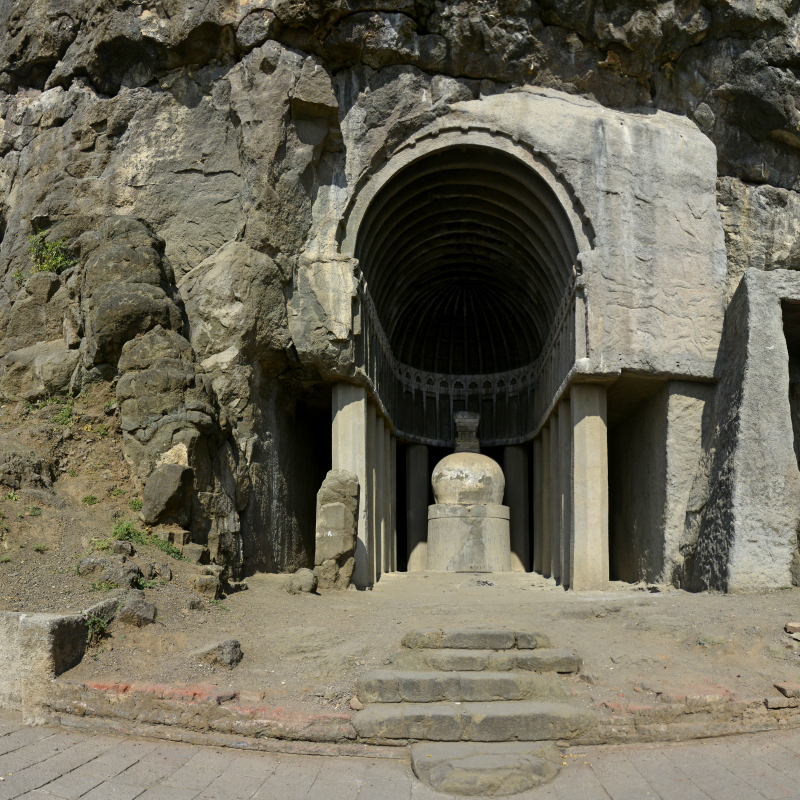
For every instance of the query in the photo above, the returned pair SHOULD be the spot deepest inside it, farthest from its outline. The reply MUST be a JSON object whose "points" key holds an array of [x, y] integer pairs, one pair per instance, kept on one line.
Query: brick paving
{"points": [[54, 764]]}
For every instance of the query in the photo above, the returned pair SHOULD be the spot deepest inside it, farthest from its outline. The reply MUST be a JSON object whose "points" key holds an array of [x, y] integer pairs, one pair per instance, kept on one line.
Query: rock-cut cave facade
{"points": [[306, 235]]}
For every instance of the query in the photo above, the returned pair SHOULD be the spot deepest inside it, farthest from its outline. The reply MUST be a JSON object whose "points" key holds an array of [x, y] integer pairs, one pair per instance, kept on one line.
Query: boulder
{"points": [[304, 581], [208, 586], [90, 565], [225, 654], [167, 495], [335, 541], [33, 372], [137, 611], [124, 575]]}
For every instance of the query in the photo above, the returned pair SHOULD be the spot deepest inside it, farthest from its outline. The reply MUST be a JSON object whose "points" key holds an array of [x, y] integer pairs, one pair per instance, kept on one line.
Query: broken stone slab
{"points": [[473, 639], [484, 722], [387, 686], [788, 688], [792, 627], [781, 702], [226, 654], [485, 769]]}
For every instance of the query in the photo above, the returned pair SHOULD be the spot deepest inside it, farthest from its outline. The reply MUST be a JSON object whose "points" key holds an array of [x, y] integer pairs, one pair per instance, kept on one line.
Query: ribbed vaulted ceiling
{"points": [[466, 254]]}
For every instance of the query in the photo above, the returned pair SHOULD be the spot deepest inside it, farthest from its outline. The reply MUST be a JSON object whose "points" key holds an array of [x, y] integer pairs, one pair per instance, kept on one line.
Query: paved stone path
{"points": [[47, 764]]}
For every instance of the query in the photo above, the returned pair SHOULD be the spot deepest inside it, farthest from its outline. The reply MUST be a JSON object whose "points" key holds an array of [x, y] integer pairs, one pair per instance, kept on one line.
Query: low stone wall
{"points": [[35, 649]]}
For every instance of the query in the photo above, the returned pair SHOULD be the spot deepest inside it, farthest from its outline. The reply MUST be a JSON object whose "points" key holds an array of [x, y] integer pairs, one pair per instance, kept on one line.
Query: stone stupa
{"points": [[468, 527]]}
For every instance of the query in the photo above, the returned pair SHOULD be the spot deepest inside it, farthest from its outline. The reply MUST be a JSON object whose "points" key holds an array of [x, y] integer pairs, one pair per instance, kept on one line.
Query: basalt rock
{"points": [[337, 507]]}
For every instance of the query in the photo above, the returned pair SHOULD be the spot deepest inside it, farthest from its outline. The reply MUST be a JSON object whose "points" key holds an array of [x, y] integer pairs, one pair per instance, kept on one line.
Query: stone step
{"points": [[539, 660], [473, 639], [503, 721], [390, 686], [486, 769]]}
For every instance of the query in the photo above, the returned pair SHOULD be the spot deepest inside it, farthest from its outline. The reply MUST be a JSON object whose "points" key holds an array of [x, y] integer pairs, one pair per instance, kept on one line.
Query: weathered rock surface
{"points": [[226, 654], [485, 769], [137, 611], [337, 509], [304, 581]]}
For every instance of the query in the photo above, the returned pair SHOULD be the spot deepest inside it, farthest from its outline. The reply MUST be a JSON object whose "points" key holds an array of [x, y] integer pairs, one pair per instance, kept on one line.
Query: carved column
{"points": [[515, 468], [349, 436], [538, 510], [589, 529], [417, 477], [547, 503]]}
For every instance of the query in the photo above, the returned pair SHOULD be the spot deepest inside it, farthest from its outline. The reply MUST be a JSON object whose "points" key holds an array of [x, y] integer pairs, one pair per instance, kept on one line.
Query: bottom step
{"points": [[504, 721], [487, 769]]}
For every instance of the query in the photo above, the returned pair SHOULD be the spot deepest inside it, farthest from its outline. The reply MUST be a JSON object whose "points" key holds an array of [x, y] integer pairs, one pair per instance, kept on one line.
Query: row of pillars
{"points": [[569, 535], [570, 491], [363, 443]]}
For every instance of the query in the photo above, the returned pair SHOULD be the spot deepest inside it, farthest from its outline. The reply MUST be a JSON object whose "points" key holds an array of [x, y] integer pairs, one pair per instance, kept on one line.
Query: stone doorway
{"points": [[470, 299]]}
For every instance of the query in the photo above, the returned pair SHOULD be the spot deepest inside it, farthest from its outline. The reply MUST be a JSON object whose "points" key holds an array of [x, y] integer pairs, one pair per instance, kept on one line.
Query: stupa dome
{"points": [[468, 479]]}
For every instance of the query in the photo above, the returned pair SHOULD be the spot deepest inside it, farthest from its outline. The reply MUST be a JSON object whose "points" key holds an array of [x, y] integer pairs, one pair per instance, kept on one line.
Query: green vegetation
{"points": [[90, 500], [64, 416], [12, 496], [128, 532], [48, 256], [40, 548], [135, 505], [102, 430], [103, 586], [143, 583], [117, 492], [219, 604], [34, 511], [101, 544], [72, 473], [18, 277], [96, 628], [5, 559]]}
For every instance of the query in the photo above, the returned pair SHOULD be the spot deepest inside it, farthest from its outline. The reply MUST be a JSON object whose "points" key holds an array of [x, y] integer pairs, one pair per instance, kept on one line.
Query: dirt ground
{"points": [[306, 651]]}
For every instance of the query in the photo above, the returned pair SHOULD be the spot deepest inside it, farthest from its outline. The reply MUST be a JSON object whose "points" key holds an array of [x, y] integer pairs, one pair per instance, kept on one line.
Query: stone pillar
{"points": [[589, 536], [393, 503], [565, 479], [349, 451], [372, 540], [515, 468], [555, 495], [538, 510], [386, 543], [547, 503], [378, 493], [417, 507]]}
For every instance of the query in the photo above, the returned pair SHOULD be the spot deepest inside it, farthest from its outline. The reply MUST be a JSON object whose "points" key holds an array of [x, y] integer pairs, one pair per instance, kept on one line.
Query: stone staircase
{"points": [[471, 688], [472, 685]]}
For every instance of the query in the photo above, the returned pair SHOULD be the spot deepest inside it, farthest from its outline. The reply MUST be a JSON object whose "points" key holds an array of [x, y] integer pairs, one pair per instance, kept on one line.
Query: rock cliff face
{"points": [[190, 152]]}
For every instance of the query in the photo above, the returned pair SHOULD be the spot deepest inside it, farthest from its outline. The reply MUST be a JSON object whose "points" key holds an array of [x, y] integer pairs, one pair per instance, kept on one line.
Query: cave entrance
{"points": [[469, 299]]}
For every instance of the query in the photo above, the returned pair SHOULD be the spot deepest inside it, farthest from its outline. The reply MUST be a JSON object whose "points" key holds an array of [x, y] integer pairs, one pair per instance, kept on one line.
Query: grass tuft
{"points": [[128, 532]]}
